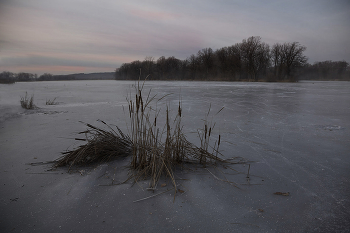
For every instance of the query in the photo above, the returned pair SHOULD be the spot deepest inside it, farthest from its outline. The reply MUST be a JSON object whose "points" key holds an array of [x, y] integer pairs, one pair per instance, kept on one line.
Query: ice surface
{"points": [[296, 135]]}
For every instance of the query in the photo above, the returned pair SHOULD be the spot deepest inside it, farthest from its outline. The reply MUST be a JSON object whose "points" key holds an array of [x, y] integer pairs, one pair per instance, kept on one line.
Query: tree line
{"points": [[9, 77], [327, 70], [250, 60]]}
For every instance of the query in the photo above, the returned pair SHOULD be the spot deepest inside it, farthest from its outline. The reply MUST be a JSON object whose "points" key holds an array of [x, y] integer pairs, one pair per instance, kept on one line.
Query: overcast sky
{"points": [[73, 36]]}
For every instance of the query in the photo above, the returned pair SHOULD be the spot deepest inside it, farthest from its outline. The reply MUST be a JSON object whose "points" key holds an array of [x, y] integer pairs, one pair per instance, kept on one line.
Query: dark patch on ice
{"points": [[330, 127], [52, 112], [85, 104], [41, 112], [7, 116]]}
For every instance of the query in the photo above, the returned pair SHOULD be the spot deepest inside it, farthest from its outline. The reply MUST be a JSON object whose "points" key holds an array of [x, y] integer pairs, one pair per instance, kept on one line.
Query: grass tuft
{"points": [[27, 103], [51, 102], [153, 151]]}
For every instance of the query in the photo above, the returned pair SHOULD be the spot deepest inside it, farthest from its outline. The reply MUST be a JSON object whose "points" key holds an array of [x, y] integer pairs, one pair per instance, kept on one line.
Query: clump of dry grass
{"points": [[153, 157], [154, 151], [51, 102], [27, 103], [102, 146]]}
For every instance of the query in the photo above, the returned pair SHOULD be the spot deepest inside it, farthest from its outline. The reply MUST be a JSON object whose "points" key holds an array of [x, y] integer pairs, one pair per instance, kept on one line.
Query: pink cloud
{"points": [[153, 15]]}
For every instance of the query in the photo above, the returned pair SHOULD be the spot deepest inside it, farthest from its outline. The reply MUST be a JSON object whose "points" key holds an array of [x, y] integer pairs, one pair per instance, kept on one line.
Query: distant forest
{"points": [[250, 60], [9, 77]]}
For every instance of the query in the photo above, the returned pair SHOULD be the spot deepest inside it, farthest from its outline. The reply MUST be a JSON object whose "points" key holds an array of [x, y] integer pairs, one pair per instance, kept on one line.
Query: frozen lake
{"points": [[296, 136]]}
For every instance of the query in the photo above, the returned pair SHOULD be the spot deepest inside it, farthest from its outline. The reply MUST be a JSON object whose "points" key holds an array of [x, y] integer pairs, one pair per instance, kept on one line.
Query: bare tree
{"points": [[330, 70], [193, 66], [262, 61], [255, 56], [129, 70], [286, 58], [7, 77], [293, 55], [277, 60], [46, 77], [161, 69], [25, 77], [173, 66], [206, 59], [222, 59], [235, 61], [148, 66]]}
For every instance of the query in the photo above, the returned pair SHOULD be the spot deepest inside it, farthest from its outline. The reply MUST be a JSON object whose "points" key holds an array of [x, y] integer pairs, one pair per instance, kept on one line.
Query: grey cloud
{"points": [[113, 28], [33, 60]]}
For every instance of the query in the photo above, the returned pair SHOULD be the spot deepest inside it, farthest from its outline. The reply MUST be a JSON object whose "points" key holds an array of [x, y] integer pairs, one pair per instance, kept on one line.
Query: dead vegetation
{"points": [[51, 102], [102, 146], [27, 103], [154, 151]]}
